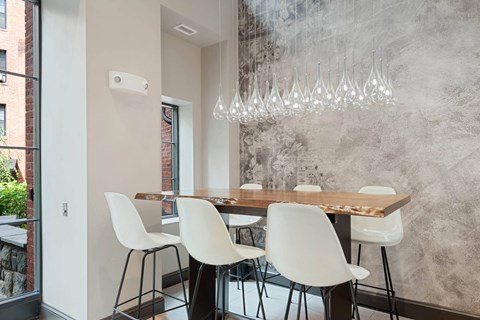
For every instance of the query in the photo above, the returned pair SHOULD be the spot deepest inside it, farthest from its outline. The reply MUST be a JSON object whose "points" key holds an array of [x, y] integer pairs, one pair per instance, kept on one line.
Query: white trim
{"points": [[170, 220], [56, 312]]}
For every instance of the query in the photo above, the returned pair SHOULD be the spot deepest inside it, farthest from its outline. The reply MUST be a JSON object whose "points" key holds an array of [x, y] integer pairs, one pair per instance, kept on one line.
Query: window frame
{"points": [[3, 107], [5, 13], [174, 143], [3, 69]]}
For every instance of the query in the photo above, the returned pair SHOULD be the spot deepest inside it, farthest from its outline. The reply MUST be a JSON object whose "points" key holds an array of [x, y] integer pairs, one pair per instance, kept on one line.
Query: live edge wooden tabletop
{"points": [[330, 202]]}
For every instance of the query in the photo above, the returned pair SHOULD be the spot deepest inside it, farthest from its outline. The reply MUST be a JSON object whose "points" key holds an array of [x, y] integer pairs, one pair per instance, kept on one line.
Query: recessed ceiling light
{"points": [[185, 29]]}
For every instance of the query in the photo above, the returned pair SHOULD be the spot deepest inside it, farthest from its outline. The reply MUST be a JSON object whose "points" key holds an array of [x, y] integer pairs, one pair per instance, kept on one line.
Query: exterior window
{"points": [[3, 65], [170, 174], [3, 14], [3, 127]]}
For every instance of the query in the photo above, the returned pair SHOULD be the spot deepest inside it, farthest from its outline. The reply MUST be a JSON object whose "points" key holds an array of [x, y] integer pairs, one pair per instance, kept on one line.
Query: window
{"points": [[170, 164], [3, 14], [3, 127], [3, 65]]}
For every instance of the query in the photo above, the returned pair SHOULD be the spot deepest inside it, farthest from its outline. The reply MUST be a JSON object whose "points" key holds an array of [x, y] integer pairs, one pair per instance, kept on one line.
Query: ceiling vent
{"points": [[185, 30]]}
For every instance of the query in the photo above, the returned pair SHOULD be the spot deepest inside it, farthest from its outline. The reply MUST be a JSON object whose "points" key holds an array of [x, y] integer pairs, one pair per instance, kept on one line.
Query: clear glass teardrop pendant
{"points": [[316, 98], [236, 106], [220, 112], [307, 93], [358, 100], [275, 101], [296, 98], [256, 103], [389, 97], [246, 117], [329, 96], [343, 87], [286, 100], [371, 87]]}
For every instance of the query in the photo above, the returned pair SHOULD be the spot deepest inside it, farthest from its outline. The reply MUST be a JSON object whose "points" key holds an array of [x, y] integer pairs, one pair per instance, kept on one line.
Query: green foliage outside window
{"points": [[13, 194]]}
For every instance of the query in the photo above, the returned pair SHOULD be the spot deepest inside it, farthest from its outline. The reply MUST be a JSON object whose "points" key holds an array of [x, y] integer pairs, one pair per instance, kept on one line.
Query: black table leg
{"points": [[205, 303], [341, 305]]}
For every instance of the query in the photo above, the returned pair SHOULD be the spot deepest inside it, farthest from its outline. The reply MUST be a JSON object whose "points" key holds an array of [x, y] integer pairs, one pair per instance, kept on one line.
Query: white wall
{"points": [[181, 80], [64, 156], [95, 140], [124, 135], [221, 164], [181, 85]]}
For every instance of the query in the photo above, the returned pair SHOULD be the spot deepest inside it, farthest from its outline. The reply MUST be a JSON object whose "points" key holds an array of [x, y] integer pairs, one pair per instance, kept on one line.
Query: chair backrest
{"points": [[251, 186], [308, 188], [391, 223], [303, 246], [204, 233], [126, 222]]}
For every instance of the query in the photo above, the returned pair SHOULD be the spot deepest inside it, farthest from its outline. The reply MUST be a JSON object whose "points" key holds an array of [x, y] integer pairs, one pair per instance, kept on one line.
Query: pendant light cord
{"points": [[220, 46]]}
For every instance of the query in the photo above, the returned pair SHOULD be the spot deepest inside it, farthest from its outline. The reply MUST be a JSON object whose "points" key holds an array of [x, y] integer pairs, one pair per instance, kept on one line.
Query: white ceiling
{"points": [[203, 38]]}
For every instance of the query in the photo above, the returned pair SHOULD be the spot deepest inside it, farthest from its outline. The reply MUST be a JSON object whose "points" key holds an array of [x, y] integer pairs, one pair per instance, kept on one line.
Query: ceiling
{"points": [[203, 38]]}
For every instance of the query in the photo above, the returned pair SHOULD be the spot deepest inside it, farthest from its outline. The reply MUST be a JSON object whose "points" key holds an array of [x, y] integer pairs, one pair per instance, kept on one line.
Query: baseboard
{"points": [[411, 309], [406, 308], [145, 310], [21, 307], [173, 278], [50, 312]]}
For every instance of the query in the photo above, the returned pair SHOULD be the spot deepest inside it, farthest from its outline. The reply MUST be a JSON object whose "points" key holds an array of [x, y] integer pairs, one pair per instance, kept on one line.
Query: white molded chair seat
{"points": [[207, 239], [131, 233], [129, 227], [308, 188], [240, 220], [313, 241], [384, 232], [314, 234]]}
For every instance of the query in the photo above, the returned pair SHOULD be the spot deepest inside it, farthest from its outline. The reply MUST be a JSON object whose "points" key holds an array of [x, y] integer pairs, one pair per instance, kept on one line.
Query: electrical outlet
{"points": [[65, 209]]}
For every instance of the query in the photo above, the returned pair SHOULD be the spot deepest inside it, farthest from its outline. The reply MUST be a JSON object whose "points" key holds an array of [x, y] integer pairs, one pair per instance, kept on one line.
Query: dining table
{"points": [[339, 206]]}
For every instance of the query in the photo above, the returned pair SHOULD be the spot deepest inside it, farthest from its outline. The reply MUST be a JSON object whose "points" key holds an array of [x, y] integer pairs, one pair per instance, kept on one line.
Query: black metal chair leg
{"points": [[243, 296], [387, 283], [289, 301], [356, 281], [181, 277], [354, 302], [394, 297], [258, 290], [141, 286], [305, 302], [121, 284], [263, 286], [195, 291], [153, 283], [299, 308], [328, 313], [222, 283]]}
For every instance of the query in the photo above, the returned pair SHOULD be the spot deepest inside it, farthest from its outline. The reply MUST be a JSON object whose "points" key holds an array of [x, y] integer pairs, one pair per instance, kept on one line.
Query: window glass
{"points": [[2, 120], [3, 14], [3, 65]]}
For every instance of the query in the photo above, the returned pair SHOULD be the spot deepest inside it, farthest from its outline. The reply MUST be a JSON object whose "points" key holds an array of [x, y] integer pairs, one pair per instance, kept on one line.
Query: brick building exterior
{"points": [[12, 92]]}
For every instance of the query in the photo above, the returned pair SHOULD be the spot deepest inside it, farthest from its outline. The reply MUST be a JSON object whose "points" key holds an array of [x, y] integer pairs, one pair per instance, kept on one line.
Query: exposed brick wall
{"points": [[29, 130], [167, 164], [12, 93]]}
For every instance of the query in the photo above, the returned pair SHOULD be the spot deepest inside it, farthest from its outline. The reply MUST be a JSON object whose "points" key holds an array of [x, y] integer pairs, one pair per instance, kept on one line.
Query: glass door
{"points": [[20, 284]]}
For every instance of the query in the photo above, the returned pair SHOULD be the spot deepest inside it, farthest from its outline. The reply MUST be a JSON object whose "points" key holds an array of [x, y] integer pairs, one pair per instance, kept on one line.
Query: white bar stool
{"points": [[383, 232], [241, 222], [131, 233], [207, 240], [299, 188], [313, 241]]}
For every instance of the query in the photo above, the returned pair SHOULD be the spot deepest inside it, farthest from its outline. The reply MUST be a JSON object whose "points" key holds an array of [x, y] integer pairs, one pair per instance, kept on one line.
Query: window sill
{"points": [[170, 220]]}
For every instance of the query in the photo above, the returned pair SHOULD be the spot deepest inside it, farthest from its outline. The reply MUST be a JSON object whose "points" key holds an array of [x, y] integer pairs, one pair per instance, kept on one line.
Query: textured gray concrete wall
{"points": [[427, 146]]}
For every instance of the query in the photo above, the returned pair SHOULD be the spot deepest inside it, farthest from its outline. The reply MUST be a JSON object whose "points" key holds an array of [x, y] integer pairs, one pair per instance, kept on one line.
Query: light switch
{"points": [[65, 209]]}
